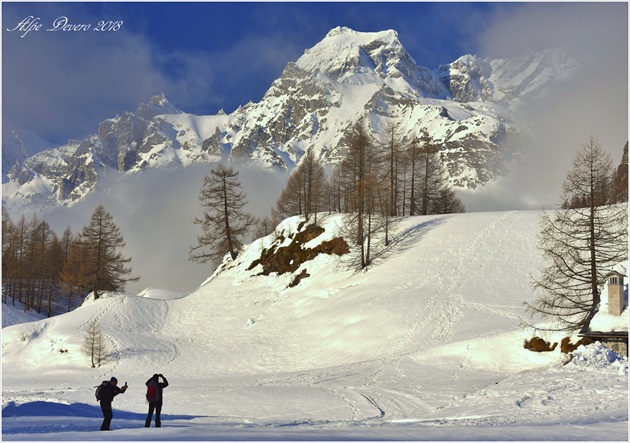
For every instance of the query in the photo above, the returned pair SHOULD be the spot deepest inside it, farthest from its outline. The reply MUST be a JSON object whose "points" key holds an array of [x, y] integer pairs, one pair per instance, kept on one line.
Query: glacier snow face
{"points": [[466, 108], [509, 82]]}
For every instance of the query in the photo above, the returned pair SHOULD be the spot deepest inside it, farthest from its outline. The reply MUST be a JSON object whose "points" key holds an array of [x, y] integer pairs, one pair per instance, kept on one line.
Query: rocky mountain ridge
{"points": [[467, 108]]}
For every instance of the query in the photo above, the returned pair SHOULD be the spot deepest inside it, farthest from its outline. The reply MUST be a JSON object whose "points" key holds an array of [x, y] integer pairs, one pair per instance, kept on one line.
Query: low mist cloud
{"points": [[154, 210], [594, 102]]}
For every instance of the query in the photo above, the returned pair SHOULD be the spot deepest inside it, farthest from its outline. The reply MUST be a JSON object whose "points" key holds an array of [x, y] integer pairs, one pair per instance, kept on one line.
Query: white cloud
{"points": [[154, 210], [594, 103]]}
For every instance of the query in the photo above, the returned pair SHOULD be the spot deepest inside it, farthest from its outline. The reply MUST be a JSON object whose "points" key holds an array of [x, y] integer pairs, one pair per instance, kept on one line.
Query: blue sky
{"points": [[210, 55]]}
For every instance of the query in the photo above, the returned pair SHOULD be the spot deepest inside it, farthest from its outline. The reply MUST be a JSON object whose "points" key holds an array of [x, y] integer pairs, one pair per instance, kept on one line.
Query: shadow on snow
{"points": [[408, 238], [46, 409]]}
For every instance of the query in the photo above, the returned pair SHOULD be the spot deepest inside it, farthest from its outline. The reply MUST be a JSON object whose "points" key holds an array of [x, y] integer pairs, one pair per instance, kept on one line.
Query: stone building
{"points": [[609, 325]]}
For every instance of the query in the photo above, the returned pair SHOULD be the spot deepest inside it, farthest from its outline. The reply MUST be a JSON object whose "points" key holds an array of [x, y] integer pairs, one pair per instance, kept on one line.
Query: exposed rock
{"points": [[537, 344], [283, 259], [566, 347]]}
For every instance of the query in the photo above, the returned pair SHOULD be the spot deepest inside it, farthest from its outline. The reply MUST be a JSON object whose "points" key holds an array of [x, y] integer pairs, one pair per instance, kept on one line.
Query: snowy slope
{"points": [[424, 345], [13, 315]]}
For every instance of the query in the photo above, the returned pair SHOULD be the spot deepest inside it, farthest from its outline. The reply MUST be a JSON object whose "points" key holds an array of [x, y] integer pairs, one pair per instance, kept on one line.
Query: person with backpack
{"points": [[154, 397], [105, 394]]}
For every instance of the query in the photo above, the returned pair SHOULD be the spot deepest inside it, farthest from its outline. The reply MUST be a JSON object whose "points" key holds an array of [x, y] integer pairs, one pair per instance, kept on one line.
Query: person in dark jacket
{"points": [[154, 396], [108, 392]]}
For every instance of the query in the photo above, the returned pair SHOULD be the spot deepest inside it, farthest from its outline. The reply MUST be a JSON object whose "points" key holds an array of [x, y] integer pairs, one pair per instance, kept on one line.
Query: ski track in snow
{"points": [[442, 312]]}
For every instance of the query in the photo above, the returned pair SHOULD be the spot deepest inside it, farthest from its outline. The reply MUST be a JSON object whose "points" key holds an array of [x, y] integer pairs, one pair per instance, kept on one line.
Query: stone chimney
{"points": [[616, 296]]}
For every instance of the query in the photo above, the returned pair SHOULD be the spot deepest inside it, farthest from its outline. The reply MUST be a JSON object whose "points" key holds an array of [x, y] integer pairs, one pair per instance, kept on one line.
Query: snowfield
{"points": [[425, 345]]}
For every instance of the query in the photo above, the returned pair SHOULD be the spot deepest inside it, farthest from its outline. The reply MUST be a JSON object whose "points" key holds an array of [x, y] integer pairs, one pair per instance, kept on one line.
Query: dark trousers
{"points": [[157, 407], [106, 407]]}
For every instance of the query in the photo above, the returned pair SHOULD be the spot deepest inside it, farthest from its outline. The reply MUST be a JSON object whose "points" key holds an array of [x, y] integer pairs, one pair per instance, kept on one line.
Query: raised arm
{"points": [[165, 384]]}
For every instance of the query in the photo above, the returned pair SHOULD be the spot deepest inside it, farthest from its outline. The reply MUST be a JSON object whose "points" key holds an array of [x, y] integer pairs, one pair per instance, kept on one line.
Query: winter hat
{"points": [[114, 379]]}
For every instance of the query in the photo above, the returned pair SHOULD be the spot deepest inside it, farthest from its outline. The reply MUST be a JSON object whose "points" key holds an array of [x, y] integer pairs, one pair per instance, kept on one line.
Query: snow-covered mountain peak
{"points": [[158, 105], [343, 32], [344, 53]]}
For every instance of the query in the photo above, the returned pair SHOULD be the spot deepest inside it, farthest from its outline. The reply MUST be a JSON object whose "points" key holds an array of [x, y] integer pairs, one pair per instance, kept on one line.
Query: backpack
{"points": [[152, 391], [99, 389]]}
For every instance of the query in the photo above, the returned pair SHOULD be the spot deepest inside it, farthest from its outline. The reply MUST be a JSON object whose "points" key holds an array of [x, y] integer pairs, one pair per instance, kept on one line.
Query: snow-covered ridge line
{"points": [[467, 107]]}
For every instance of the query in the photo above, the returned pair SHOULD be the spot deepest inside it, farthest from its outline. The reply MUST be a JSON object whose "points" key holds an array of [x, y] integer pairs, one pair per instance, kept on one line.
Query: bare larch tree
{"points": [[101, 266], [581, 242], [94, 345], [224, 223], [305, 192]]}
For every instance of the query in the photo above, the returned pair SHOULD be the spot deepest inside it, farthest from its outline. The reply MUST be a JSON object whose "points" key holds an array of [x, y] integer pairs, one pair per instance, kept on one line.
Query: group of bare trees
{"points": [[32, 258], [45, 272], [305, 192], [375, 182], [406, 177], [385, 178], [610, 187], [582, 240]]}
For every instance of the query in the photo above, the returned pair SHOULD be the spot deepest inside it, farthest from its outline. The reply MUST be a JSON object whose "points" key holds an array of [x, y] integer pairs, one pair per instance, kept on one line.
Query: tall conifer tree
{"points": [[225, 222], [104, 267]]}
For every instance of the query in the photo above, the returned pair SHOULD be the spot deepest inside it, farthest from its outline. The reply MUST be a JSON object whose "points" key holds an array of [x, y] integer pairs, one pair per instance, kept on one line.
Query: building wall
{"points": [[616, 299], [620, 348]]}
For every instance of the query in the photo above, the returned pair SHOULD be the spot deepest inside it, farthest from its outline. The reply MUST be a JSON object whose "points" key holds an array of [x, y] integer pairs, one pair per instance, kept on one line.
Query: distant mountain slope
{"points": [[467, 108], [13, 153]]}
